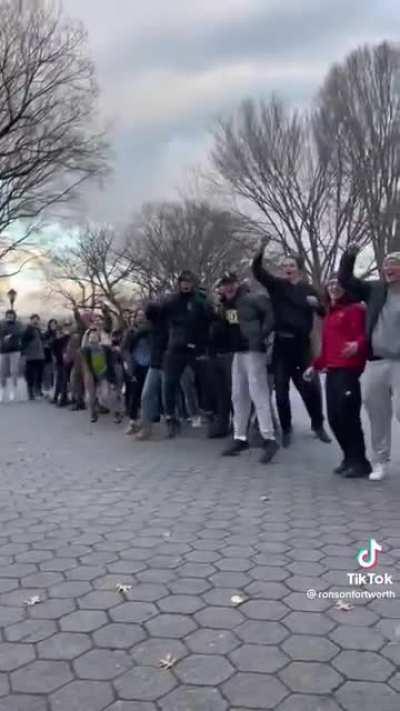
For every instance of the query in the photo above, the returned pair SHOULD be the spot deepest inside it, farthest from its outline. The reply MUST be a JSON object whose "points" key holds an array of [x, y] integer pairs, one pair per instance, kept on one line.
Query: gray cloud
{"points": [[166, 70]]}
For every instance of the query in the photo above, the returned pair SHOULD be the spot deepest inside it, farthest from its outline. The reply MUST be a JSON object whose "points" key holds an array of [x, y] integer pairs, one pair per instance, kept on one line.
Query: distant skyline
{"points": [[167, 70]]}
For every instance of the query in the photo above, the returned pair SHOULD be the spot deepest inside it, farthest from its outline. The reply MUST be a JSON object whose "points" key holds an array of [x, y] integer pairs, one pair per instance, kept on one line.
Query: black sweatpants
{"points": [[135, 388], [62, 379], [343, 400], [34, 375], [220, 378], [291, 359]]}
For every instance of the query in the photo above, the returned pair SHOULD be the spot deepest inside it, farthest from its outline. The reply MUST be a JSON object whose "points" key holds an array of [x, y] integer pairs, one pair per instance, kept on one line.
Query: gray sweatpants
{"points": [[381, 394], [250, 385], [9, 367]]}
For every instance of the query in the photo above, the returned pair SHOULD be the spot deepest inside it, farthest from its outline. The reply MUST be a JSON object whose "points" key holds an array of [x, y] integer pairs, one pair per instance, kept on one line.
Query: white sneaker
{"points": [[11, 395], [132, 428], [378, 473], [196, 422]]}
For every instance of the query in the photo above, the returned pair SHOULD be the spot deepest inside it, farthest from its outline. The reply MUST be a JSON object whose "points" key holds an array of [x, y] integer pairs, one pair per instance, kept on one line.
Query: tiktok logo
{"points": [[368, 557]]}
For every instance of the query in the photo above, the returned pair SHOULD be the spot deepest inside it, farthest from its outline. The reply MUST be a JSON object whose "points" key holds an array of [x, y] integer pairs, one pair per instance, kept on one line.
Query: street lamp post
{"points": [[12, 295]]}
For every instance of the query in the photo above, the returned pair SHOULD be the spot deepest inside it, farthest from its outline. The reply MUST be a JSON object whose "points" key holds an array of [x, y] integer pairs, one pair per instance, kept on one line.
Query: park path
{"points": [[83, 509]]}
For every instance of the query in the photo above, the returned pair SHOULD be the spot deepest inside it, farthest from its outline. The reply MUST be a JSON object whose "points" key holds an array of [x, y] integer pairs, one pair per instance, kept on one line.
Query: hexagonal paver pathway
{"points": [[165, 578]]}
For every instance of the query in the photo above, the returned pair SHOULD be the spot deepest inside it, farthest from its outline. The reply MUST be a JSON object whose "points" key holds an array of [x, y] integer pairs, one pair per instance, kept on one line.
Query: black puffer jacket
{"points": [[186, 318], [10, 336], [249, 321], [293, 314]]}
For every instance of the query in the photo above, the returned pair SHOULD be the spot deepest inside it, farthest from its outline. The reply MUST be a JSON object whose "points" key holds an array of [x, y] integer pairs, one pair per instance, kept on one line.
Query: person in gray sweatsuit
{"points": [[249, 323], [381, 379]]}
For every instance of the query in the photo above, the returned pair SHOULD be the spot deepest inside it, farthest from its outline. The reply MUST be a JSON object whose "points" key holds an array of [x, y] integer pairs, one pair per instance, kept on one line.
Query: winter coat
{"points": [[344, 323], [32, 343], [187, 319], [293, 314], [249, 321], [10, 336]]}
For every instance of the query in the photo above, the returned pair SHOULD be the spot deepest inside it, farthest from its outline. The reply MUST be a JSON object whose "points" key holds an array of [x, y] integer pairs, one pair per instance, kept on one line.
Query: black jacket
{"points": [[158, 335], [249, 321], [58, 348], [373, 293], [10, 336], [49, 338], [292, 312], [187, 320], [131, 339]]}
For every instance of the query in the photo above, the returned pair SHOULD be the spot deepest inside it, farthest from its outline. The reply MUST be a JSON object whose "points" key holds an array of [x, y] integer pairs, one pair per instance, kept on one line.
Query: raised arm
{"points": [[264, 276], [81, 325], [359, 288]]}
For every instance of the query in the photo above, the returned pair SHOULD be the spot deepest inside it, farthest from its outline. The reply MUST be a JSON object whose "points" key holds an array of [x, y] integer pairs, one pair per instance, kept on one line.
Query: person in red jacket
{"points": [[343, 356]]}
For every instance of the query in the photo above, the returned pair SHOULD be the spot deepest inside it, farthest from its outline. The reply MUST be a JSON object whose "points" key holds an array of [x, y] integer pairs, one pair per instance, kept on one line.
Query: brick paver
{"points": [[84, 509]]}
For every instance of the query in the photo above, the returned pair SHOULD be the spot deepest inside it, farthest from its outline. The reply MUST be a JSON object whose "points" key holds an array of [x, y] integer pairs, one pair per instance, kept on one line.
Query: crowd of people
{"points": [[227, 358]]}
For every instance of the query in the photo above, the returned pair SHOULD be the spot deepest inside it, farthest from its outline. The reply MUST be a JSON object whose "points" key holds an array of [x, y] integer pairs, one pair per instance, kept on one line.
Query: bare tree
{"points": [[91, 271], [49, 144], [167, 238], [271, 158], [359, 104]]}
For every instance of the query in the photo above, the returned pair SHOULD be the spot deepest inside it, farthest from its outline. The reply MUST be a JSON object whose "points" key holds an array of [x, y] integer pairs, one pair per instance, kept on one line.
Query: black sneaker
{"points": [[237, 447], [358, 470], [270, 448], [322, 435], [218, 433], [76, 406], [172, 428], [286, 439], [94, 417], [341, 468]]}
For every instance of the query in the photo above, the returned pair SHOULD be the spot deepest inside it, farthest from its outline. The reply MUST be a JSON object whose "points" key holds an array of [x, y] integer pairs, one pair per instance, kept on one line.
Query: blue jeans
{"points": [[152, 395]]}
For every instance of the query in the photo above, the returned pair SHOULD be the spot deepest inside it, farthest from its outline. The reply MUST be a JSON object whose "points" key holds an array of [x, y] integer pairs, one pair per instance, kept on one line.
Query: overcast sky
{"points": [[168, 68]]}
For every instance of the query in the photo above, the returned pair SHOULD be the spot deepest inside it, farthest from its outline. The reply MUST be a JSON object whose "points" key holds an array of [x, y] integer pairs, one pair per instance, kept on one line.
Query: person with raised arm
{"points": [[294, 302]]}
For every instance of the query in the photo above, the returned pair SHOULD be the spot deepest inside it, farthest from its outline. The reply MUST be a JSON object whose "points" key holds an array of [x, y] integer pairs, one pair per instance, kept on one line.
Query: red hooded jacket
{"points": [[344, 323]]}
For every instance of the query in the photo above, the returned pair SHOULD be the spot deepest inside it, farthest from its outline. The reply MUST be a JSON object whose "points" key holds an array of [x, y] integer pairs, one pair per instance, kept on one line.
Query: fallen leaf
{"points": [[345, 606], [121, 588], [168, 662], [237, 600], [34, 600]]}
